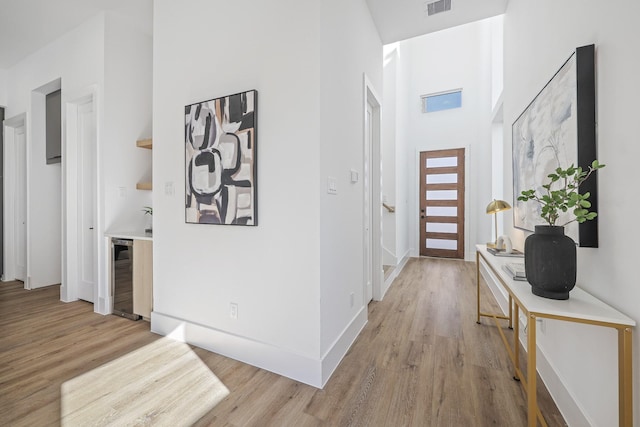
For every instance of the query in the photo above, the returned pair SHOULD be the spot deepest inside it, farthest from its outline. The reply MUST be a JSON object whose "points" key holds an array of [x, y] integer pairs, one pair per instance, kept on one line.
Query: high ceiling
{"points": [[402, 19], [28, 25]]}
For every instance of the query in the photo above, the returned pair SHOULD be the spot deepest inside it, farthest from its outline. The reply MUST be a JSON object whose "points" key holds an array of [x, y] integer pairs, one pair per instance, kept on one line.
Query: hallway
{"points": [[420, 361]]}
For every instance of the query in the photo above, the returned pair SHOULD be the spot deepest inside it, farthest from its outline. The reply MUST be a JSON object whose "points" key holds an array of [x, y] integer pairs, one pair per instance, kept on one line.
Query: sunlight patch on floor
{"points": [[162, 384]]}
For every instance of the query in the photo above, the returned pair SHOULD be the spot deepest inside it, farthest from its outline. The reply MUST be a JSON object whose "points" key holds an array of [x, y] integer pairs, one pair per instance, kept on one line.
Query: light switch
{"points": [[354, 176], [168, 189], [332, 186]]}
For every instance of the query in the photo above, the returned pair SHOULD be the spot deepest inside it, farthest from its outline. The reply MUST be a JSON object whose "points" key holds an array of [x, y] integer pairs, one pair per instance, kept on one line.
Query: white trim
{"points": [[372, 98], [314, 372], [70, 179], [9, 154], [396, 272], [331, 359], [444, 92], [424, 97], [278, 360], [469, 253]]}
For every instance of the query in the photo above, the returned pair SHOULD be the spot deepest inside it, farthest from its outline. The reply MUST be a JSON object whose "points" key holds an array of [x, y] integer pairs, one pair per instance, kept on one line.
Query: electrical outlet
{"points": [[233, 310], [541, 325]]}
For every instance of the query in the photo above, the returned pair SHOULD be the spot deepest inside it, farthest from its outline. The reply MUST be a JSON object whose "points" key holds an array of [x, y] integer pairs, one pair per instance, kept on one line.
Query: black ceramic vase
{"points": [[550, 262]]}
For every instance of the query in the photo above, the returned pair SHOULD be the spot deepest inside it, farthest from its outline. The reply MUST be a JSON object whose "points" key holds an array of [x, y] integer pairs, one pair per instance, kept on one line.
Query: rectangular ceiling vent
{"points": [[438, 7]]}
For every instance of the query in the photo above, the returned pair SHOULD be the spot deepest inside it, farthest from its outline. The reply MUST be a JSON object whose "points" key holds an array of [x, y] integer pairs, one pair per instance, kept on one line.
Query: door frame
{"points": [[460, 154], [1, 193], [415, 219], [372, 98], [71, 177], [10, 187]]}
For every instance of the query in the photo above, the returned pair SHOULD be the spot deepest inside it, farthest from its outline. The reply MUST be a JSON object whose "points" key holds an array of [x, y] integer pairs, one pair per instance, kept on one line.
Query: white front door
{"points": [[87, 202], [21, 204], [368, 254]]}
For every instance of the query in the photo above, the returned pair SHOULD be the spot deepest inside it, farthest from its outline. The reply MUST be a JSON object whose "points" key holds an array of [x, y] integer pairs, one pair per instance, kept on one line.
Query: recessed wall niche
{"points": [[53, 127]]}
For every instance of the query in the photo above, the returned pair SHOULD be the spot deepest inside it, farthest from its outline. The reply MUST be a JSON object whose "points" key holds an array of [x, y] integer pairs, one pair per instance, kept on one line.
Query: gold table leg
{"points": [[516, 343], [478, 286], [625, 377], [510, 311], [532, 403]]}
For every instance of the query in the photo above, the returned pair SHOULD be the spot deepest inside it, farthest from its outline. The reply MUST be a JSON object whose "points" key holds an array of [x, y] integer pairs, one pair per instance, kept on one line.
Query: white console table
{"points": [[581, 307]]}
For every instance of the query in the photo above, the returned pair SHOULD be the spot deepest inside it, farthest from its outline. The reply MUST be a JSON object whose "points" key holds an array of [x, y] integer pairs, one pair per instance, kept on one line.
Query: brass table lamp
{"points": [[493, 208]]}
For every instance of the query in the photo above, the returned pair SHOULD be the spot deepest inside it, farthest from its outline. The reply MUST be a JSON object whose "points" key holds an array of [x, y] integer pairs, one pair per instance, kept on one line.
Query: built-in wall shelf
{"points": [[148, 144], [144, 186], [145, 143]]}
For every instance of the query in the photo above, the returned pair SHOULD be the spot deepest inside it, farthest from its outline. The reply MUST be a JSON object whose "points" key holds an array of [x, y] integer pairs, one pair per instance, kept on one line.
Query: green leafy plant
{"points": [[562, 194], [148, 210]]}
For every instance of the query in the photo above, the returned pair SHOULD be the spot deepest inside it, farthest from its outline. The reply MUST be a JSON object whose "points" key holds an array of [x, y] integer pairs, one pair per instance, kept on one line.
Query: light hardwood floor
{"points": [[420, 361]]}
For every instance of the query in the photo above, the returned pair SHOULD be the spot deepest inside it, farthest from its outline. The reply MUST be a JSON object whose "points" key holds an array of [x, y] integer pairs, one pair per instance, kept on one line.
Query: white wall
{"points": [[585, 357], [398, 150], [455, 58], [405, 157], [271, 271], [497, 60], [126, 118], [389, 142], [349, 47], [128, 76], [77, 59]]}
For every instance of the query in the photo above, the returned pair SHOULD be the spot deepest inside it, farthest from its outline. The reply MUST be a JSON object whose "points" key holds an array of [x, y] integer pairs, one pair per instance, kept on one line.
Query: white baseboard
{"points": [[102, 306], [331, 359], [388, 258], [396, 271], [567, 405], [569, 408], [314, 372]]}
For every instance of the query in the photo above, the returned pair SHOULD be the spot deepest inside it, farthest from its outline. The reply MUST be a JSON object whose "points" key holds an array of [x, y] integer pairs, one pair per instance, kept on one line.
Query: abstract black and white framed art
{"points": [[558, 129], [220, 160]]}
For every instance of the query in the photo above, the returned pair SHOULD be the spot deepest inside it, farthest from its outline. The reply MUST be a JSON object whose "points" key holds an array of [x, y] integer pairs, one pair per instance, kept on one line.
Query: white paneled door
{"points": [[87, 202], [442, 203], [21, 204]]}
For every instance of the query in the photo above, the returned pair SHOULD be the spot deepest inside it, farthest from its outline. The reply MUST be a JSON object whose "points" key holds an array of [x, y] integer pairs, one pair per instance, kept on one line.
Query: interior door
{"points": [[21, 204], [442, 203], [368, 253], [87, 202]]}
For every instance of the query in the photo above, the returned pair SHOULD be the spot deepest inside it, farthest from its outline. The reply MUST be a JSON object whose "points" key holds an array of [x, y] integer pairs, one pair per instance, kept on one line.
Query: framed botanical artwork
{"points": [[220, 160], [558, 129]]}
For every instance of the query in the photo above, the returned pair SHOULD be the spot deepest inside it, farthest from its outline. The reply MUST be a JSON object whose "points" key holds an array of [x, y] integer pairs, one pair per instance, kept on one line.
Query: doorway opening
{"points": [[372, 195], [81, 256], [15, 259], [442, 203]]}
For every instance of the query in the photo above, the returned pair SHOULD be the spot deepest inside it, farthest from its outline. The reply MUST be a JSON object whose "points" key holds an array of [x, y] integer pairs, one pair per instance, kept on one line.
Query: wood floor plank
{"points": [[420, 361]]}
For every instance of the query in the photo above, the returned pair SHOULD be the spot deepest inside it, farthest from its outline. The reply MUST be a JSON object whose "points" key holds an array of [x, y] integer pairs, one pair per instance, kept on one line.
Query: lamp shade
{"points": [[497, 206]]}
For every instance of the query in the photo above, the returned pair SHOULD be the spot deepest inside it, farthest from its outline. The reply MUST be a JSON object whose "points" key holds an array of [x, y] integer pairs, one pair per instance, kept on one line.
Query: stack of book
{"points": [[516, 271], [501, 252]]}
